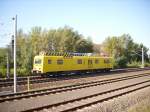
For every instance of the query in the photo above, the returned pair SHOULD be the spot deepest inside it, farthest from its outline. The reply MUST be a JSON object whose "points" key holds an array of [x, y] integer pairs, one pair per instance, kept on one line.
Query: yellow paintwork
{"points": [[70, 63]]}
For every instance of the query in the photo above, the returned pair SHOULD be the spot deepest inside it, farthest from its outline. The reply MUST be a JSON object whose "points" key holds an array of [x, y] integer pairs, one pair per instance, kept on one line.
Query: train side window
{"points": [[38, 61], [90, 62], [106, 61], [79, 61], [49, 61], [96, 61], [59, 62]]}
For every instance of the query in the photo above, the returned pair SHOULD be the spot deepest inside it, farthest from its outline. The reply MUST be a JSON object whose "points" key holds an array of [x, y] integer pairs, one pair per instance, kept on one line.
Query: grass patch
{"points": [[143, 106], [135, 64], [20, 72], [138, 101]]}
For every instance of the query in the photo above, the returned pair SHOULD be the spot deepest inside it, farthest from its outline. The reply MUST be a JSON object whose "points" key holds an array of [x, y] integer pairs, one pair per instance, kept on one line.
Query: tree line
{"points": [[54, 40], [122, 48]]}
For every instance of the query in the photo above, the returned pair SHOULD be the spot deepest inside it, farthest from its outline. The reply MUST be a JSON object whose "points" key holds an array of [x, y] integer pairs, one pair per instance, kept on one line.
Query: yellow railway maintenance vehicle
{"points": [[55, 63]]}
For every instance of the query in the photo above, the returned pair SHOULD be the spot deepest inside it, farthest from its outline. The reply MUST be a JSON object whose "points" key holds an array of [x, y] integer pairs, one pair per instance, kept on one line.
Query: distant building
{"points": [[98, 48]]}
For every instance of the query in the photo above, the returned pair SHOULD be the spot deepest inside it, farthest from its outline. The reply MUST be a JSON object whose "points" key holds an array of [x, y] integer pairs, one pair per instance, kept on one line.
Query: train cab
{"points": [[38, 65]]}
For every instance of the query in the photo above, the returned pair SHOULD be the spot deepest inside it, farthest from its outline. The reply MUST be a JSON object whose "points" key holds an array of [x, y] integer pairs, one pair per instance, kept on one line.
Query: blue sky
{"points": [[95, 18]]}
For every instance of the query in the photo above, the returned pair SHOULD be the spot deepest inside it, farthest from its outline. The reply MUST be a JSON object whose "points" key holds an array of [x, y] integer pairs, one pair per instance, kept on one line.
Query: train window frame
{"points": [[106, 61], [60, 62], [90, 62], [38, 61], [96, 61], [79, 61], [49, 61]]}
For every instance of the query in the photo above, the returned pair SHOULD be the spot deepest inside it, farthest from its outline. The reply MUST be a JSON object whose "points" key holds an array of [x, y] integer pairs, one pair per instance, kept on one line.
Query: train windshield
{"points": [[38, 61]]}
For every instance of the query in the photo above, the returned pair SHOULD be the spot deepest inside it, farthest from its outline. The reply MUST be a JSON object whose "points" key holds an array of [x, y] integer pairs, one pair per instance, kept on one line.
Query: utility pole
{"points": [[8, 71], [12, 47], [15, 35], [142, 58]]}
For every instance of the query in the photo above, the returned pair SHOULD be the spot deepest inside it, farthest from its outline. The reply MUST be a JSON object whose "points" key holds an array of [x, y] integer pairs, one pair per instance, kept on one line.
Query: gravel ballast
{"points": [[126, 103], [39, 101]]}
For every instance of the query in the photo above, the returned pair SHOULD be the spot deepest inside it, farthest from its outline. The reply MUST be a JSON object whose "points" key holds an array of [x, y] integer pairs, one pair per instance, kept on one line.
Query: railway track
{"points": [[24, 81], [38, 79], [79, 103], [20, 95], [74, 97]]}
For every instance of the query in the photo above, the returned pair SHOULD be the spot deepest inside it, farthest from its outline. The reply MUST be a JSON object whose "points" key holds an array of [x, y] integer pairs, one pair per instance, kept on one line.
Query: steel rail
{"points": [[70, 109], [17, 96], [36, 79]]}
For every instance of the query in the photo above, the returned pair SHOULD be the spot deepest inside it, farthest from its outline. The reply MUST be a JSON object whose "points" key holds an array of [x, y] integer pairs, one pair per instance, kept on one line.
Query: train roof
{"points": [[70, 54], [73, 56]]}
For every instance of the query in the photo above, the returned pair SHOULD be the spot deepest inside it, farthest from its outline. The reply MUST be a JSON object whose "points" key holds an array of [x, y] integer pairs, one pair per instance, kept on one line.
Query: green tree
{"points": [[123, 49], [59, 40]]}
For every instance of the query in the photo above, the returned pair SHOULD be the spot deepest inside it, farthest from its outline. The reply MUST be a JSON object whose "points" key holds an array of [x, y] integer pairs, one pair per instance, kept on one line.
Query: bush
{"points": [[20, 72], [134, 64], [2, 72], [120, 62], [147, 64]]}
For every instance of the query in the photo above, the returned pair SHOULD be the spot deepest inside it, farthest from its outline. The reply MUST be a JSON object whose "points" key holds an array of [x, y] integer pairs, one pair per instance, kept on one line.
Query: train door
{"points": [[106, 61], [90, 64]]}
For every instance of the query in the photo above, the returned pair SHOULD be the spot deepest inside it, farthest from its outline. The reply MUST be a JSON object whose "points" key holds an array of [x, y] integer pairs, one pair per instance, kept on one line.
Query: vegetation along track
{"points": [[20, 95], [38, 79]]}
